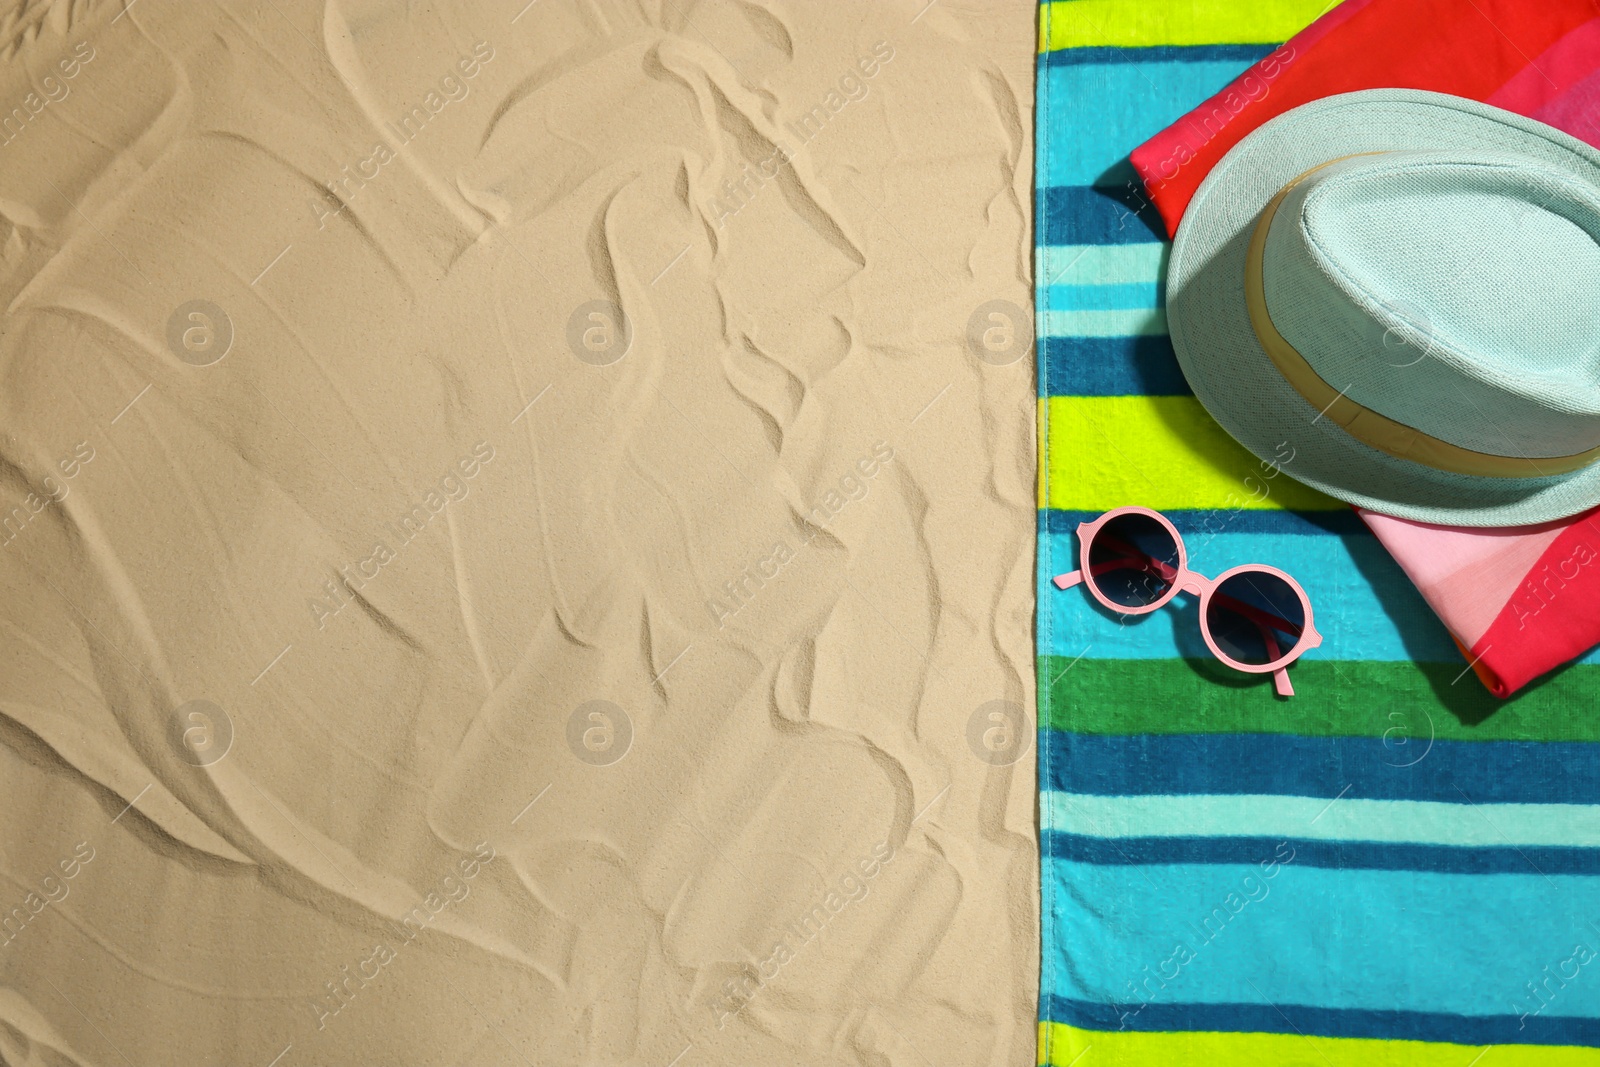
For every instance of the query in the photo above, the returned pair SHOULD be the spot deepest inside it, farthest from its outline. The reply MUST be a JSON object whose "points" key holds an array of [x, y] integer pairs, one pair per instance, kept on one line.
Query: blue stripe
{"points": [[1238, 56], [1088, 215], [1338, 855], [1455, 772], [1362, 602], [1261, 1018], [1343, 522], [1111, 366], [1120, 104], [1278, 932]]}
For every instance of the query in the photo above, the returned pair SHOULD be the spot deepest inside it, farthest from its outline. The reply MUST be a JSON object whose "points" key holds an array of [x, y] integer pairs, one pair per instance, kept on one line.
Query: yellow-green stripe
{"points": [[1141, 24], [1158, 451], [1061, 1046]]}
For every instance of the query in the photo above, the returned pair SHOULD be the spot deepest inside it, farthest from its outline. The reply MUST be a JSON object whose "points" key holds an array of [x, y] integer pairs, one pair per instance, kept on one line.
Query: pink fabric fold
{"points": [[1519, 600]]}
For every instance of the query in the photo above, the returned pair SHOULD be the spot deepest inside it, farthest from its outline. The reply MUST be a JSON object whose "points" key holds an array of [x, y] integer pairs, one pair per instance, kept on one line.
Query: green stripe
{"points": [[1354, 698]]}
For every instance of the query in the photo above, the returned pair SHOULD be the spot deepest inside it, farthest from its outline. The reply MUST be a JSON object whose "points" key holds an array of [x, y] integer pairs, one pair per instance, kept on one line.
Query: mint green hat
{"points": [[1400, 291]]}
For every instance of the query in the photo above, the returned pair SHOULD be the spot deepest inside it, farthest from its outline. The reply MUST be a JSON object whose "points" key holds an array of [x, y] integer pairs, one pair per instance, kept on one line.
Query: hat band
{"points": [[1365, 425]]}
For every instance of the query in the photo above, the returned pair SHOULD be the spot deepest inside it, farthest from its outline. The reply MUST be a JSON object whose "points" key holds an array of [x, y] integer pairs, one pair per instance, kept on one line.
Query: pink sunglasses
{"points": [[1254, 618]]}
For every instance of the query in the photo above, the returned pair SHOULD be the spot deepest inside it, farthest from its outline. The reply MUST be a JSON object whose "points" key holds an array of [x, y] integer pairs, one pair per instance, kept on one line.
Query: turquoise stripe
{"points": [[1131, 322], [1278, 817], [1102, 297], [1341, 575], [1103, 264], [1363, 603], [1367, 939], [1113, 108]]}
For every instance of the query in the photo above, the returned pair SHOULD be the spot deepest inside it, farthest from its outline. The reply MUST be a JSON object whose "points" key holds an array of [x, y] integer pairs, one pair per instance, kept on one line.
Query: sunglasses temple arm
{"points": [[1280, 677], [1068, 580], [1132, 553], [1261, 618]]}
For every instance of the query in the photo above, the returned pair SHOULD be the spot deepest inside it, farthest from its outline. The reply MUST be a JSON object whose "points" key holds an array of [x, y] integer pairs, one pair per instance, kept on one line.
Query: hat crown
{"points": [[1457, 293]]}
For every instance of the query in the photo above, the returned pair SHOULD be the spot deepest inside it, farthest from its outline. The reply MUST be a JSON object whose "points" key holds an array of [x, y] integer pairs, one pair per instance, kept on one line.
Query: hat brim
{"points": [[1232, 375]]}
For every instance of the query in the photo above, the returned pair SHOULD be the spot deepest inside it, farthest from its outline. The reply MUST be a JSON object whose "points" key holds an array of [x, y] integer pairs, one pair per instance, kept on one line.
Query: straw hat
{"points": [[1401, 291]]}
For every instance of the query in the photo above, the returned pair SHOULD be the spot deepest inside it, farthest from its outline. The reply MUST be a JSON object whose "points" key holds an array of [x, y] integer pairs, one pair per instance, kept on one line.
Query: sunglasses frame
{"points": [[1185, 580]]}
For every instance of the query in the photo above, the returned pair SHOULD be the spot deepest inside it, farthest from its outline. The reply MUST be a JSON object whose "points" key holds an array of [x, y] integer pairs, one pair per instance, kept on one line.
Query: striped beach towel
{"points": [[1391, 868]]}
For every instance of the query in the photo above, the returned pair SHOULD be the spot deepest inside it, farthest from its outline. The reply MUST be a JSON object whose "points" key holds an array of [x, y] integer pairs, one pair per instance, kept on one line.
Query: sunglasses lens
{"points": [[1255, 617], [1133, 560]]}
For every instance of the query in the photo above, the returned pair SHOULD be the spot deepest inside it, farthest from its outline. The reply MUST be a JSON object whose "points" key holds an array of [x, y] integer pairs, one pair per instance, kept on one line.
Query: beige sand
{"points": [[405, 661]]}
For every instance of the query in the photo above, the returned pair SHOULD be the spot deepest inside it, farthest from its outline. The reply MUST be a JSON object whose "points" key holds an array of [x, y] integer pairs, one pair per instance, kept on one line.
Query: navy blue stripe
{"points": [[1325, 1022], [1112, 366], [1337, 855], [1456, 772], [1243, 54], [1344, 522], [1096, 215]]}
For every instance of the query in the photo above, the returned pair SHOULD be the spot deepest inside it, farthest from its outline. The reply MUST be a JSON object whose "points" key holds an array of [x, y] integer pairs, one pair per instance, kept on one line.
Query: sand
{"points": [[516, 533]]}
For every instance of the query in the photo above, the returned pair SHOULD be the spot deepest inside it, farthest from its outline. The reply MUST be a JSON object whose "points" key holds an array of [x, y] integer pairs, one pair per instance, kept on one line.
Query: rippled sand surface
{"points": [[516, 533]]}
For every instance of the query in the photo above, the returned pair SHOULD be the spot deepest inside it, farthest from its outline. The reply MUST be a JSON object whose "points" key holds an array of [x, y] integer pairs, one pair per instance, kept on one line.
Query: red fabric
{"points": [[1553, 617], [1464, 47]]}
